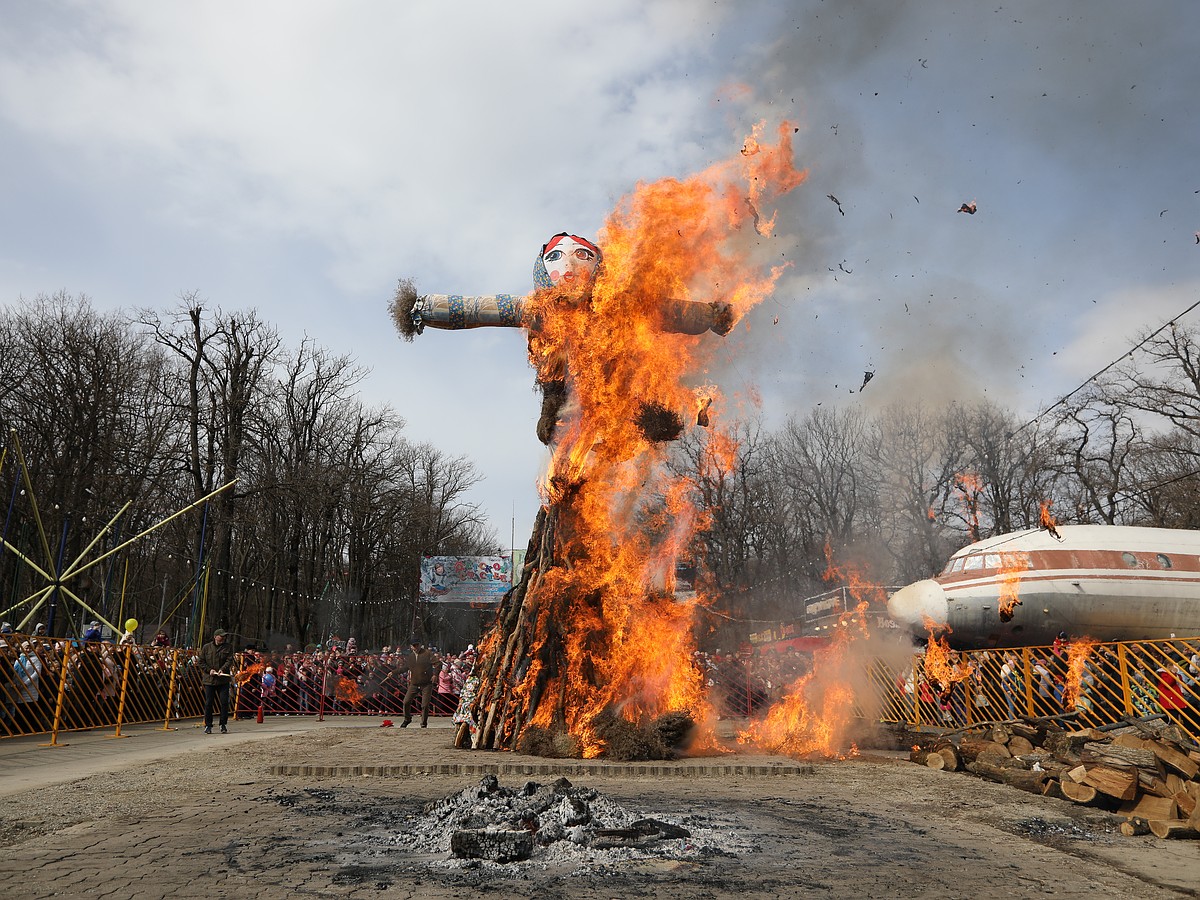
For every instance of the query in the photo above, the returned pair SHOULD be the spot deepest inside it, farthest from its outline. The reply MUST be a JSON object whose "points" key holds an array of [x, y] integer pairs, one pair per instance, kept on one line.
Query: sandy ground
{"points": [[215, 822]]}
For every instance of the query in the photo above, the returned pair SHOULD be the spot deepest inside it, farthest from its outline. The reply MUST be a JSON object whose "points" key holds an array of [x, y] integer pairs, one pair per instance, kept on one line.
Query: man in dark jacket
{"points": [[216, 664], [422, 664]]}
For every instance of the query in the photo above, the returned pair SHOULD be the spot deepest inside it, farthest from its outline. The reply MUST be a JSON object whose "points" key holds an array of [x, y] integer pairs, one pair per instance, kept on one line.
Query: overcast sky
{"points": [[300, 157]]}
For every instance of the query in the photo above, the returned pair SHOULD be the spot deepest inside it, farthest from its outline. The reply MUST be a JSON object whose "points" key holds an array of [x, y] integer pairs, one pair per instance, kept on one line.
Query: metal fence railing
{"points": [[1099, 683], [51, 685]]}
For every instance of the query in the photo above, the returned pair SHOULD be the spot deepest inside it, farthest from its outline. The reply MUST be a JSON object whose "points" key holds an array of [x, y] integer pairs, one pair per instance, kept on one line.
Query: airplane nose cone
{"points": [[910, 604]]}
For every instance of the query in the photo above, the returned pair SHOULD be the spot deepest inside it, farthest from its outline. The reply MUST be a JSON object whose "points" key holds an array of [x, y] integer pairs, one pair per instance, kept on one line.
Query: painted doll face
{"points": [[570, 261]]}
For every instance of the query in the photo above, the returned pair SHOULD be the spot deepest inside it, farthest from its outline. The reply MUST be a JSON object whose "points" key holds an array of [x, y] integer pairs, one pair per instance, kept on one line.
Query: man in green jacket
{"points": [[216, 664]]}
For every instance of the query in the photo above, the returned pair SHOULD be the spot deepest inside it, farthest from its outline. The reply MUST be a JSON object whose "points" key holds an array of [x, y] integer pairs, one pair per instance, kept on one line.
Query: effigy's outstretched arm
{"points": [[412, 312], [690, 317]]}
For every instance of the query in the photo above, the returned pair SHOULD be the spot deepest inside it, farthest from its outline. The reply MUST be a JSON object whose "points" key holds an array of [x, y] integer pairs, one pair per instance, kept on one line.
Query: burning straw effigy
{"points": [[591, 653]]}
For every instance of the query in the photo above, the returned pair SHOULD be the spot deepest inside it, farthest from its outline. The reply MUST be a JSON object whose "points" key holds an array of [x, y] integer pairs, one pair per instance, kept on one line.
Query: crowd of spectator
{"points": [[37, 671], [334, 678], [338, 679]]}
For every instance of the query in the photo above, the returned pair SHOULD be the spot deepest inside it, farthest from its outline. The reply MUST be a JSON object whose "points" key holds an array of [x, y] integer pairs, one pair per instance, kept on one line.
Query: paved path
{"points": [[28, 763]]}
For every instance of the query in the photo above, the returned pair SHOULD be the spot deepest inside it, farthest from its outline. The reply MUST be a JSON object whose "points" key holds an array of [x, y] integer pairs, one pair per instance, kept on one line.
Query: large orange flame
{"points": [[941, 666], [607, 633], [348, 691], [1047, 518], [1012, 564], [815, 714], [244, 676], [1079, 651]]}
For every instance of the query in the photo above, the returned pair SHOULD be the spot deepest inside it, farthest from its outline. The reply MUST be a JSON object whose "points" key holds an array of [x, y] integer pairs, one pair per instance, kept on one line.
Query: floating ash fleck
{"points": [[560, 826]]}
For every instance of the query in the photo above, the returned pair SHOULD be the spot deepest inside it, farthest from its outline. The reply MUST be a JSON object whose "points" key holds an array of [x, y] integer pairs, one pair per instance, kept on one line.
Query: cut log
{"points": [[1035, 734], [992, 758], [1110, 753], [1000, 734], [1176, 759], [1187, 804], [1121, 783], [1133, 724], [1174, 829], [1021, 779], [1067, 743], [1169, 732], [1079, 793], [1135, 827], [1171, 755], [1152, 784], [928, 758], [1041, 757], [1053, 766], [1014, 762], [1076, 774], [971, 746], [1174, 783], [1019, 746], [1052, 788], [950, 755], [1149, 807], [1130, 738]]}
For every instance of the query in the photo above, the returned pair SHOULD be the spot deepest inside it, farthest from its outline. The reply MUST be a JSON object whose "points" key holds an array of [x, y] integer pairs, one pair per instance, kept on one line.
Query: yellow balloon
{"points": [[131, 624]]}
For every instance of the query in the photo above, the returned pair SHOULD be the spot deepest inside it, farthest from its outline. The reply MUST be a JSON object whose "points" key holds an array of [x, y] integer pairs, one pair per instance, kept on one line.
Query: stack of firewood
{"points": [[1145, 770]]}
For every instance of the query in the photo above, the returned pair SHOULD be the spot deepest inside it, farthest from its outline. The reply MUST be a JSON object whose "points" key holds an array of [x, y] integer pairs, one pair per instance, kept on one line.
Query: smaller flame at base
{"points": [[1076, 694]]}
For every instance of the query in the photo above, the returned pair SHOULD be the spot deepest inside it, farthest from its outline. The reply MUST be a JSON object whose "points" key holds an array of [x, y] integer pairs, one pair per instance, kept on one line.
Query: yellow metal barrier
{"points": [[1099, 683], [51, 685]]}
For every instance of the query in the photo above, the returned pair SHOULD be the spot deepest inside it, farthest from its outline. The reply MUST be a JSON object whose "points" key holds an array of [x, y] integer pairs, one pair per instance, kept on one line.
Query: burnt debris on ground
{"points": [[556, 825]]}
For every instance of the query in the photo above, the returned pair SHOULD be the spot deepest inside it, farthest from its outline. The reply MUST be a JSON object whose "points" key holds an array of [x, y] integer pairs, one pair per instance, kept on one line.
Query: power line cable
{"points": [[1138, 346]]}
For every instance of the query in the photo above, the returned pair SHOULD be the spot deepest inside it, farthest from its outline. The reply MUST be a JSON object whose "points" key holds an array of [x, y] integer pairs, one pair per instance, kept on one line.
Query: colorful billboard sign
{"points": [[465, 579]]}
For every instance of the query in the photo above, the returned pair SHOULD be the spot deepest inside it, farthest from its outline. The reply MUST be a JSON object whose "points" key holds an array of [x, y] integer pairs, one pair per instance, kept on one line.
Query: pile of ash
{"points": [[557, 826]]}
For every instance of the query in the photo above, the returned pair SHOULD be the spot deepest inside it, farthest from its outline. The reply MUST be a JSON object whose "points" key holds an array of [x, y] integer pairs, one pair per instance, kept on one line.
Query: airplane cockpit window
{"points": [[973, 562], [1130, 560], [1163, 560], [953, 565]]}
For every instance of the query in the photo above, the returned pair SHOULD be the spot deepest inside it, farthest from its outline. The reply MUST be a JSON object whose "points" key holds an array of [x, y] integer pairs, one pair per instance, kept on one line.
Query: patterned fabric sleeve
{"points": [[454, 311]]}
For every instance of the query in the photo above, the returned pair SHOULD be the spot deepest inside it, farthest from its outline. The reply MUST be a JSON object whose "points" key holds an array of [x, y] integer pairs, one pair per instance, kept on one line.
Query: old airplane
{"points": [[1108, 582]]}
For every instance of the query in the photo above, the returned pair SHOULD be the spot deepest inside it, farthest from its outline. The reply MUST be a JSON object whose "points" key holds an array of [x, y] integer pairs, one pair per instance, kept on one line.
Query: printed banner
{"points": [[465, 579]]}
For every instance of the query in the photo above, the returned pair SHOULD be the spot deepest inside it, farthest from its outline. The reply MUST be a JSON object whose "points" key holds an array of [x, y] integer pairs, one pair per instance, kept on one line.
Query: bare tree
{"points": [[225, 361], [77, 392], [821, 463], [918, 460]]}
